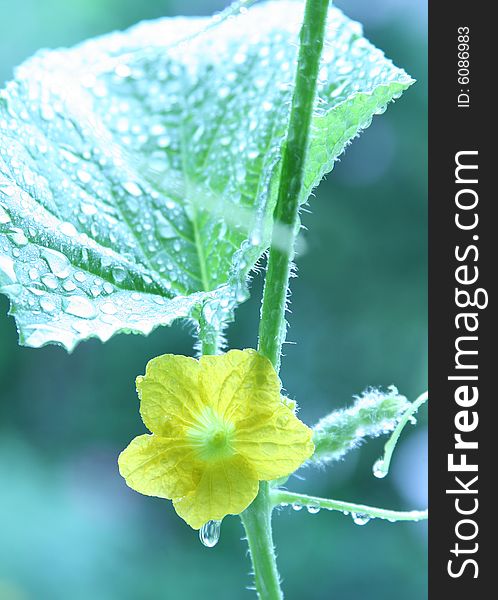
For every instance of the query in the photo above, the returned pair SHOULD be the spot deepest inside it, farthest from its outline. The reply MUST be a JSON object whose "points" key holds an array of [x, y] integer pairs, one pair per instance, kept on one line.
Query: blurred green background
{"points": [[69, 526]]}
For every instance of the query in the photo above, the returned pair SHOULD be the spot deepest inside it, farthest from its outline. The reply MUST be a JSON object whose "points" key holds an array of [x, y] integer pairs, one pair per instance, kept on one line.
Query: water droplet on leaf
{"points": [[4, 216], [132, 188], [18, 237], [83, 176], [50, 281], [7, 273], [47, 305], [79, 306], [108, 308], [57, 262], [118, 274]]}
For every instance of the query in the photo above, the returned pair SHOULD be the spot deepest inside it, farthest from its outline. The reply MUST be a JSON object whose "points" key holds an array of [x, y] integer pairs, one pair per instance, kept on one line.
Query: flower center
{"points": [[211, 436]]}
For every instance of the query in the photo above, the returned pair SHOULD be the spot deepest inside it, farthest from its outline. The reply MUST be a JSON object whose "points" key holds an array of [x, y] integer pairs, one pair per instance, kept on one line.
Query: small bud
{"points": [[374, 413]]}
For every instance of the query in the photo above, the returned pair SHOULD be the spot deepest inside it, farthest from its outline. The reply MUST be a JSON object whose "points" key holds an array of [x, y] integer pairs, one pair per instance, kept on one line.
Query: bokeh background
{"points": [[70, 528]]}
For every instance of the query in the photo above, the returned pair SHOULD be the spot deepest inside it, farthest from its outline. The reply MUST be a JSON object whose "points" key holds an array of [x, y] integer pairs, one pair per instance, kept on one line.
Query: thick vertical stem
{"points": [[257, 524], [272, 328], [210, 344], [211, 337]]}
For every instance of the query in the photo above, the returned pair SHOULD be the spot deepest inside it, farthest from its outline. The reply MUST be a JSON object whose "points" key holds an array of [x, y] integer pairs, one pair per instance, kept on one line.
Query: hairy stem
{"points": [[257, 524], [284, 497], [272, 327], [210, 335], [210, 344]]}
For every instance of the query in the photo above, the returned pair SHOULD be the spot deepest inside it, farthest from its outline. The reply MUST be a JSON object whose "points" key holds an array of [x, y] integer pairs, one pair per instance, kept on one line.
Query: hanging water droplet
{"points": [[313, 509], [360, 518], [379, 469], [209, 533], [297, 506]]}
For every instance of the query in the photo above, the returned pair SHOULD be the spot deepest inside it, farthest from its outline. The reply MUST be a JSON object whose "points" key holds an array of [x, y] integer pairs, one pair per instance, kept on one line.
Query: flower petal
{"points": [[227, 486], [276, 443], [169, 394], [157, 466], [237, 382]]}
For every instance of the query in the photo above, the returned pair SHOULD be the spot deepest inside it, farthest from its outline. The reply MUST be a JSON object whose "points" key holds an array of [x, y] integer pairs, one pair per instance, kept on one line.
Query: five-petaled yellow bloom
{"points": [[219, 426]]}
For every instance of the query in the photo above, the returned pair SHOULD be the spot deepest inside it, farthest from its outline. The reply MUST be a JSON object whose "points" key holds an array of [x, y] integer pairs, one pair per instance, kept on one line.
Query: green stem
{"points": [[210, 335], [209, 347], [284, 497], [210, 342], [381, 467], [257, 524], [272, 327]]}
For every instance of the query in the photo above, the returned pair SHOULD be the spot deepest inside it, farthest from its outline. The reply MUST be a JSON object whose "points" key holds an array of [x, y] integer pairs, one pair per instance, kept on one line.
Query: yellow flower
{"points": [[219, 426]]}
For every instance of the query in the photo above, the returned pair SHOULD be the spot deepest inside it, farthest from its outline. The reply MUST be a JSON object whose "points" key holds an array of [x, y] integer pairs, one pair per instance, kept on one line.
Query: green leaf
{"points": [[138, 170], [374, 413]]}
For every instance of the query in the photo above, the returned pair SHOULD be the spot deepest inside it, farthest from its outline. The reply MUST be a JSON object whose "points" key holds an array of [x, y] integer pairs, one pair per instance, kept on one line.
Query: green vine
{"points": [[381, 467], [272, 328], [283, 497]]}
